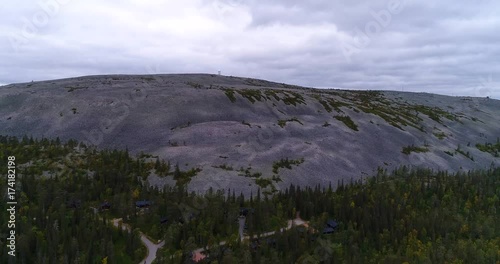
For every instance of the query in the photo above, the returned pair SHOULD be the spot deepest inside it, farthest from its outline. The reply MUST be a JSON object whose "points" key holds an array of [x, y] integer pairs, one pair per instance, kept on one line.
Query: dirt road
{"points": [[152, 247]]}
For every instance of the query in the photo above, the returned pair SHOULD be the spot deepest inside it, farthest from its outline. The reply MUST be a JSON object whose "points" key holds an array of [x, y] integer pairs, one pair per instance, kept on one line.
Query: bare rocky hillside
{"points": [[244, 133]]}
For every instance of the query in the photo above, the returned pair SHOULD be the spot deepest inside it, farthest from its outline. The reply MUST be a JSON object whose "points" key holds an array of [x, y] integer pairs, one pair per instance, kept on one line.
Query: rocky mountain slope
{"points": [[243, 133]]}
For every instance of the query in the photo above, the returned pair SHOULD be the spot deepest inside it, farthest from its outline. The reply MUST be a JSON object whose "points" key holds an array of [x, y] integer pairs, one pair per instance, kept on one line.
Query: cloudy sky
{"points": [[447, 47]]}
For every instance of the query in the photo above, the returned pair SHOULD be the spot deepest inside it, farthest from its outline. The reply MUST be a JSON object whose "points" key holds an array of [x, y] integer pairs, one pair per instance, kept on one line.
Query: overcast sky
{"points": [[447, 47]]}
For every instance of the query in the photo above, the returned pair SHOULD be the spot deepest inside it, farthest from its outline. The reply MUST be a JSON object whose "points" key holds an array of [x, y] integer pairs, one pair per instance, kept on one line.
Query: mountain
{"points": [[242, 133]]}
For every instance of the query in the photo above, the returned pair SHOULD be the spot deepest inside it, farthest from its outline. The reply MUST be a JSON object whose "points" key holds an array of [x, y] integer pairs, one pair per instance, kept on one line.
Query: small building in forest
{"points": [[330, 227], [163, 220], [143, 204], [245, 211], [105, 206]]}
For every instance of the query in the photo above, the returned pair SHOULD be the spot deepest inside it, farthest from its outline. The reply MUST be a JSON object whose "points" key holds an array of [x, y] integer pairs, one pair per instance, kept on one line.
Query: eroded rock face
{"points": [[236, 129]]}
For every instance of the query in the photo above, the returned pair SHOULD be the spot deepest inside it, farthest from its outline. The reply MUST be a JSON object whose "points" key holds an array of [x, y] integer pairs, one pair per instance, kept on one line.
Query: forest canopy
{"points": [[407, 215]]}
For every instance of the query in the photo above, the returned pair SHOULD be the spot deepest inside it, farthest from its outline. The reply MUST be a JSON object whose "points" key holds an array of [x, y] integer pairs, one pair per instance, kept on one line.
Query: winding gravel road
{"points": [[152, 248], [293, 222]]}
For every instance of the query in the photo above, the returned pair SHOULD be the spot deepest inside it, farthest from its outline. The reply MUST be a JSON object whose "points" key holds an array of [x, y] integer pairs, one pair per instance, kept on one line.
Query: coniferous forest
{"points": [[68, 194]]}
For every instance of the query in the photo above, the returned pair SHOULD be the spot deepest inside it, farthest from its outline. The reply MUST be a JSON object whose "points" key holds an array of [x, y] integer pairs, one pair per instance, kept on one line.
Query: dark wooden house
{"points": [[246, 211], [143, 204], [105, 206], [330, 227]]}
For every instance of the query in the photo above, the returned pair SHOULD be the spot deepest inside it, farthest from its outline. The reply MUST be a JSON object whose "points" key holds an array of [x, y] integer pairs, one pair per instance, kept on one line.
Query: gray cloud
{"points": [[439, 47]]}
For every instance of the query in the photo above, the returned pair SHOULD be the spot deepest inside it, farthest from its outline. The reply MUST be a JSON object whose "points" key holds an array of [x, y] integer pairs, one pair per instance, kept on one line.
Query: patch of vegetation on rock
{"points": [[493, 149], [263, 183], [282, 123], [348, 122], [388, 115], [330, 104], [184, 177], [248, 173], [409, 149], [466, 154], [286, 163], [440, 135], [272, 93], [224, 167], [251, 95], [230, 94], [367, 96], [435, 113], [259, 95], [293, 98], [276, 178]]}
